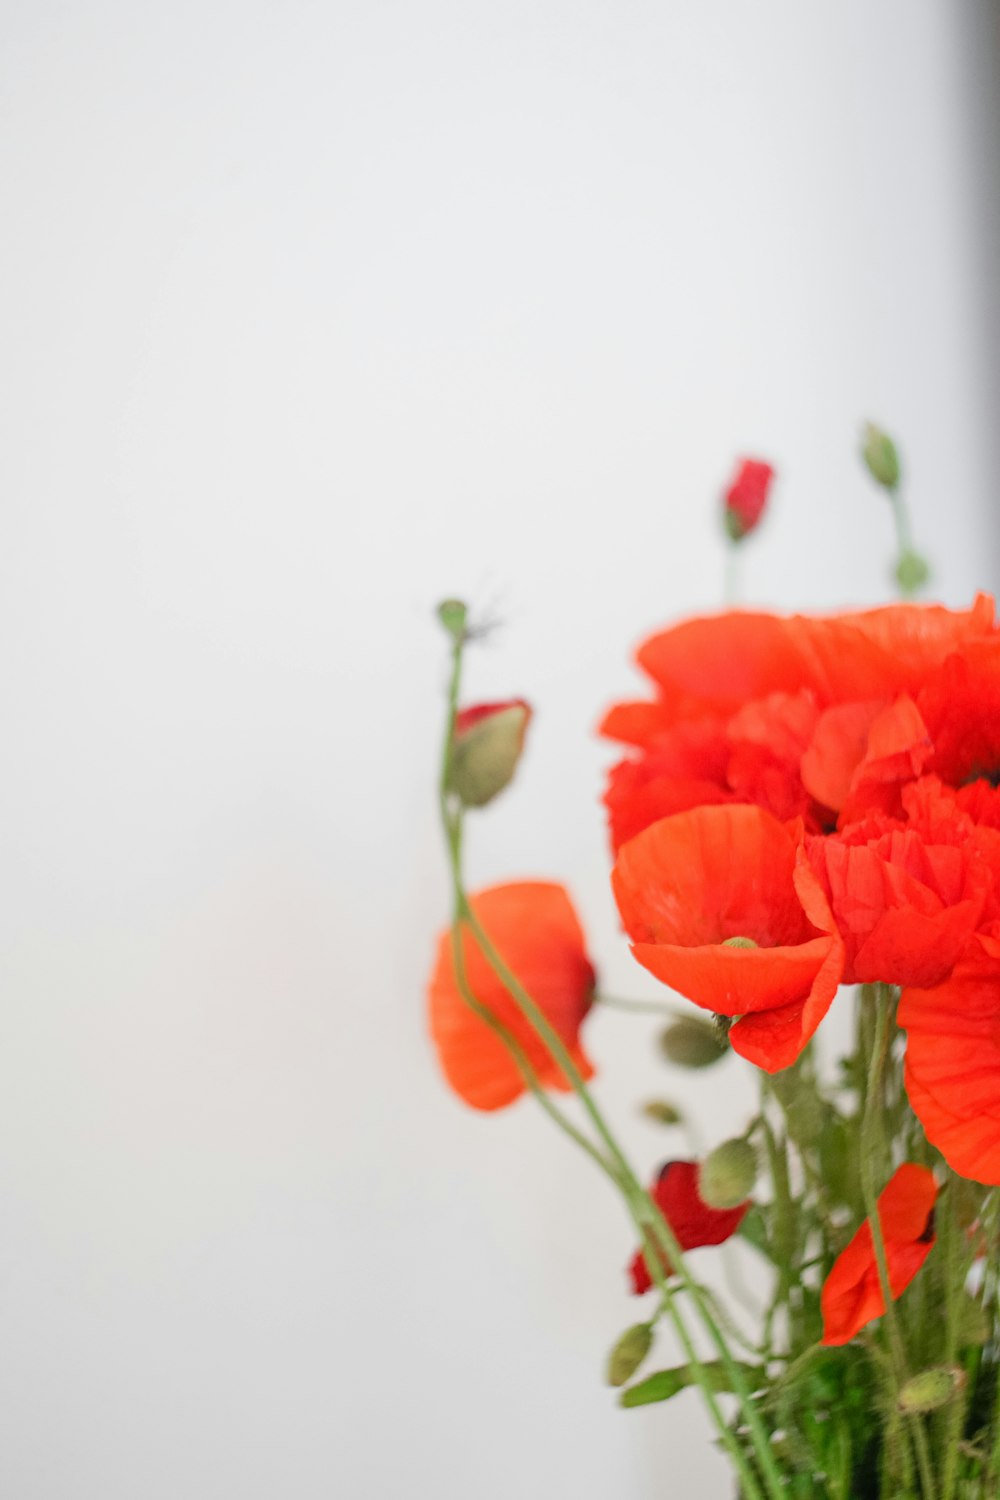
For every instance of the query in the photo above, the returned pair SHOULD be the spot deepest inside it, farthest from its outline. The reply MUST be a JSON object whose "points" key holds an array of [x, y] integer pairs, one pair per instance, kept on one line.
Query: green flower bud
{"points": [[727, 1174], [662, 1112], [912, 572], [931, 1389], [629, 1353], [881, 459], [489, 739], [453, 615], [974, 1324], [692, 1043]]}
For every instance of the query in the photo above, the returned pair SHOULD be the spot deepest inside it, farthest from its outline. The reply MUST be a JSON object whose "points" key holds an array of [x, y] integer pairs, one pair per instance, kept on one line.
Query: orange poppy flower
{"points": [[852, 1293], [952, 1070], [690, 884], [535, 930], [694, 1224]]}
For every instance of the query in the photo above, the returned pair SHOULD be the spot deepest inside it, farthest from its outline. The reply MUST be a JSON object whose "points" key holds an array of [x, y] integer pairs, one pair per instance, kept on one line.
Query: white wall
{"points": [[312, 313]]}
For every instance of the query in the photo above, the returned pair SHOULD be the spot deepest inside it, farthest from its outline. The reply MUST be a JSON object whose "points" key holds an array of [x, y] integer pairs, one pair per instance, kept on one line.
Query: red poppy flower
{"points": [[852, 1294], [862, 753], [675, 1193], [746, 497], [534, 928], [906, 897], [952, 1071], [689, 884], [961, 706]]}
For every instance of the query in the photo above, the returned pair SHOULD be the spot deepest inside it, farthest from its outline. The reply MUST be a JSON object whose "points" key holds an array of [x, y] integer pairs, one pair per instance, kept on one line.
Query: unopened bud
{"points": [[662, 1112], [881, 459], [912, 572], [746, 498], [629, 1353], [727, 1175], [692, 1043], [453, 615], [974, 1324], [489, 738], [931, 1389]]}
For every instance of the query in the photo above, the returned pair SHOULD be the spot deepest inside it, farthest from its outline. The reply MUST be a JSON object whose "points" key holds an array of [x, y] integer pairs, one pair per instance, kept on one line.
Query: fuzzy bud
{"points": [[881, 459], [691, 1042], [453, 615], [912, 571], [489, 738], [931, 1389], [727, 1174], [746, 498], [662, 1112], [629, 1353]]}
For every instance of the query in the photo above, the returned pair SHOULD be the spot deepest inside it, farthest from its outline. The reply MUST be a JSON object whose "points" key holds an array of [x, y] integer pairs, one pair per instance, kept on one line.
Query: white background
{"points": [[311, 314]]}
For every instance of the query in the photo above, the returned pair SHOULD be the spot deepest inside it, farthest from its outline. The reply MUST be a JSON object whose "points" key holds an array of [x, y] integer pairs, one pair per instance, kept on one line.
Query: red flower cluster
{"points": [[811, 801]]}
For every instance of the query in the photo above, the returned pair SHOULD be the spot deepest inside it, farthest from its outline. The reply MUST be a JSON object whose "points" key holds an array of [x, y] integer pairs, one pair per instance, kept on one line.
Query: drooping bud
{"points": [[881, 459], [745, 499], [691, 1042], [453, 615], [727, 1175], [931, 1389], [912, 572], [489, 738], [629, 1353], [662, 1112]]}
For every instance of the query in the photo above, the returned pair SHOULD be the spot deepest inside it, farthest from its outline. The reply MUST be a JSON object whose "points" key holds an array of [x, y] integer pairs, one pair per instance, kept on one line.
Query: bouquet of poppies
{"points": [[807, 813]]}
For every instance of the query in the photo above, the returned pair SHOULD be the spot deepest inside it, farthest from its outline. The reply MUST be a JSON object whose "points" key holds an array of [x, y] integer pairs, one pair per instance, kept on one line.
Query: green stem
{"points": [[655, 1231], [871, 1164]]}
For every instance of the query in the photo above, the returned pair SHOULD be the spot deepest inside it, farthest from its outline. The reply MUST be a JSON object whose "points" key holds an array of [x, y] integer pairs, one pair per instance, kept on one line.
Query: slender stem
{"points": [[652, 1007], [655, 1231], [871, 1160]]}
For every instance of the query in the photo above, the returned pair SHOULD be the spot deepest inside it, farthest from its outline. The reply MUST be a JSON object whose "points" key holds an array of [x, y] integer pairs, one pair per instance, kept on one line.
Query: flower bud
{"points": [[727, 1174], [692, 1043], [629, 1353], [912, 571], [662, 1112], [931, 1389], [745, 499], [881, 459], [489, 738], [453, 615]]}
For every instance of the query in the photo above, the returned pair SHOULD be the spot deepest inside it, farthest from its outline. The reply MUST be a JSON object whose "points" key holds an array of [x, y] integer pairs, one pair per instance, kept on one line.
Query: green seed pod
{"points": [[931, 1389], [727, 1174], [662, 1112], [629, 1353], [881, 459], [691, 1042], [739, 942]]}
